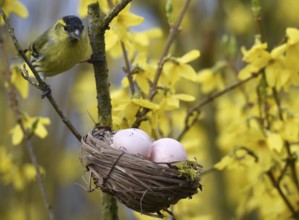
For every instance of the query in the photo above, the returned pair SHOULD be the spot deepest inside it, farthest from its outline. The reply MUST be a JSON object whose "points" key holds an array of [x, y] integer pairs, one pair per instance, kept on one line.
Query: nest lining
{"points": [[140, 184]]}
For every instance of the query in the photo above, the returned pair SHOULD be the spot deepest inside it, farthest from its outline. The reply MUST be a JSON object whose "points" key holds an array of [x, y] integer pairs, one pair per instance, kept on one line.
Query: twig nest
{"points": [[140, 184]]}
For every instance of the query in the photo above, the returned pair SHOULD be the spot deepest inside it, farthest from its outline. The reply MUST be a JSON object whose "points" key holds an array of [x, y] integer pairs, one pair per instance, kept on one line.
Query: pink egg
{"points": [[167, 150], [133, 141]]}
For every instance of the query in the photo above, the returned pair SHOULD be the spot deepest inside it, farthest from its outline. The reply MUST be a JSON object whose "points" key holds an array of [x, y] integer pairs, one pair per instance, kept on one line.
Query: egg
{"points": [[167, 150], [133, 141]]}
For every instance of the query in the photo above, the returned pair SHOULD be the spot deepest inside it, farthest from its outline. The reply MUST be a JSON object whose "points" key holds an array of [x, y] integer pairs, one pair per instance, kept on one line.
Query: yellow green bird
{"points": [[60, 47]]}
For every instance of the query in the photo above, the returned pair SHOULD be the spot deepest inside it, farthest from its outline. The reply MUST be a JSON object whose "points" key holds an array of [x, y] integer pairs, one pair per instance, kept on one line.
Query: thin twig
{"points": [[248, 152], [256, 8], [14, 104], [40, 181], [278, 103], [284, 170], [42, 85], [291, 160], [282, 195], [207, 171], [195, 110], [172, 35], [113, 13], [174, 30], [127, 69]]}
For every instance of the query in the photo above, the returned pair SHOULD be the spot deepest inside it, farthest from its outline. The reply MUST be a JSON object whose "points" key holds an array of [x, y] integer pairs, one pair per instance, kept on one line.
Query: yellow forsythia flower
{"points": [[17, 80], [257, 58], [36, 125], [179, 67], [13, 6]]}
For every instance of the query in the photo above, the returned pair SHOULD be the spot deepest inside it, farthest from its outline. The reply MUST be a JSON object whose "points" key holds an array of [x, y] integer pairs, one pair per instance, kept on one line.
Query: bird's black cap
{"points": [[73, 21]]}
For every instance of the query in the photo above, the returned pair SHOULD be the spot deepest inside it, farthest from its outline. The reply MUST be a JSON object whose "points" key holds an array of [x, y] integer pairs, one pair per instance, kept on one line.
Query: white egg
{"points": [[167, 150], [133, 141]]}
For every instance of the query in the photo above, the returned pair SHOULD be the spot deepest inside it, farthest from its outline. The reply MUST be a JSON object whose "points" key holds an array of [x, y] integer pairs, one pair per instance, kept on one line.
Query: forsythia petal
{"points": [[129, 19], [130, 111], [185, 97], [19, 82], [171, 103], [40, 130], [13, 6], [290, 131], [145, 103], [274, 141], [17, 8], [17, 135], [293, 35], [247, 71], [83, 7], [187, 72], [188, 57], [5, 160], [142, 83], [125, 82], [276, 74], [111, 39], [278, 51], [209, 80]]}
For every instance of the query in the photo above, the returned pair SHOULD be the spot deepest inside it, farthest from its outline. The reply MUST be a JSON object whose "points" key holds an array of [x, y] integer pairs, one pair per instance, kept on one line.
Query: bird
{"points": [[59, 48]]}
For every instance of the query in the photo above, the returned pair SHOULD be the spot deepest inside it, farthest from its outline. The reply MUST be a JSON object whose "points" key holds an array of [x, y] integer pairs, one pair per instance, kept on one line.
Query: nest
{"points": [[140, 184]]}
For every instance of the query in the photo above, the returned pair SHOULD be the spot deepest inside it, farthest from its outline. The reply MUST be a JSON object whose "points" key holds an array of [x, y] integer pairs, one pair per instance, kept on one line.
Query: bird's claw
{"points": [[46, 91]]}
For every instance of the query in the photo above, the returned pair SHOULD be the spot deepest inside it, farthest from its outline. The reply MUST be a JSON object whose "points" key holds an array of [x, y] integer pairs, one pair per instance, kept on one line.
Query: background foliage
{"points": [[246, 138]]}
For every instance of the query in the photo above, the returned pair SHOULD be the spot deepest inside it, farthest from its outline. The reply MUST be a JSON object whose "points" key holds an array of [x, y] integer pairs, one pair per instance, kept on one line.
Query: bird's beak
{"points": [[75, 35]]}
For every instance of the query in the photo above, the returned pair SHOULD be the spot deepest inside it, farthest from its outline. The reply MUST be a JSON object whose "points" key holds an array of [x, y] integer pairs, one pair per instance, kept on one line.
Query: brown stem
{"points": [[99, 62], [260, 26], [248, 152], [257, 12], [14, 104], [282, 195], [114, 12], [98, 24], [128, 70], [291, 159], [195, 110], [278, 103], [174, 30]]}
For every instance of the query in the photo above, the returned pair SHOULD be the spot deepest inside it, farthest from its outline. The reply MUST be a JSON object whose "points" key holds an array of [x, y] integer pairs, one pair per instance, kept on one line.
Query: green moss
{"points": [[189, 169]]}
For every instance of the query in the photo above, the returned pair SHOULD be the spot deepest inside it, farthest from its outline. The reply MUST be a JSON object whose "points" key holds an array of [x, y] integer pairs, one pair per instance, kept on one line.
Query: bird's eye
{"points": [[65, 28]]}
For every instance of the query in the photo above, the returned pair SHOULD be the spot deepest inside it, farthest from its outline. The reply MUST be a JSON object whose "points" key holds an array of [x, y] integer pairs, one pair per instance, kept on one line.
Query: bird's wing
{"points": [[36, 46]]}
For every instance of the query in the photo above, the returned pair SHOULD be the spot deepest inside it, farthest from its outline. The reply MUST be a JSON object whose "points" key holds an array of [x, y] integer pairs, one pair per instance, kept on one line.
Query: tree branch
{"points": [[127, 69], [174, 30], [99, 62], [14, 104], [114, 12], [98, 24], [256, 9], [291, 158], [282, 195], [195, 110], [41, 84]]}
